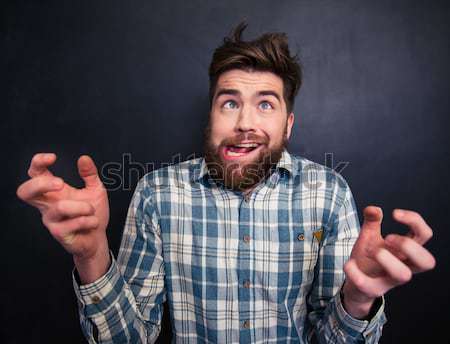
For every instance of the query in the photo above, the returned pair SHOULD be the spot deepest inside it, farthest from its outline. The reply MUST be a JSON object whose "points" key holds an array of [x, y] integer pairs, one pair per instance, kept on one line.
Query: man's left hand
{"points": [[379, 264]]}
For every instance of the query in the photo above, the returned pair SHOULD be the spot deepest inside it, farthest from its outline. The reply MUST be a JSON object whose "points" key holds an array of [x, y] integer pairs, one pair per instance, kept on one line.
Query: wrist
{"points": [[356, 303], [92, 268]]}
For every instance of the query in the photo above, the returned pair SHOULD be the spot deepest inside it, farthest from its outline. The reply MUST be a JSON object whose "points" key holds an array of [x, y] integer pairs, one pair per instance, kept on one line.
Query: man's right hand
{"points": [[76, 218]]}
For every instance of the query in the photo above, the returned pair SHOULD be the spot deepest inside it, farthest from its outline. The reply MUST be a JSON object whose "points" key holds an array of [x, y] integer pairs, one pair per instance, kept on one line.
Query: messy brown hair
{"points": [[269, 52]]}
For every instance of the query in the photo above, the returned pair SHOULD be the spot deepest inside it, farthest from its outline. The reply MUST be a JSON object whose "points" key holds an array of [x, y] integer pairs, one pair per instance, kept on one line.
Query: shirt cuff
{"points": [[97, 297], [355, 327]]}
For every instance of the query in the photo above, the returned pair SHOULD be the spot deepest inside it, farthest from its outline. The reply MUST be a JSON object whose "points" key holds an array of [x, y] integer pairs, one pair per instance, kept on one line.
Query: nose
{"points": [[246, 120]]}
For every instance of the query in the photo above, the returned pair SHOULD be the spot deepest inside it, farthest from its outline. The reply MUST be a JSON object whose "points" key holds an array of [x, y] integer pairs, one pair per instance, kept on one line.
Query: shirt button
{"points": [[246, 284], [246, 324], [246, 239], [95, 299], [301, 237]]}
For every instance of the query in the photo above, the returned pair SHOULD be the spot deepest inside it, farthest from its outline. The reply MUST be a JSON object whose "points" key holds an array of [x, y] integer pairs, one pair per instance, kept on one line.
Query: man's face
{"points": [[248, 127]]}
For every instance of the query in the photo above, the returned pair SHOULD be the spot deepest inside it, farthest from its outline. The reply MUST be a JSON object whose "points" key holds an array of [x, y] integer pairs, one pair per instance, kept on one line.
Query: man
{"points": [[248, 244]]}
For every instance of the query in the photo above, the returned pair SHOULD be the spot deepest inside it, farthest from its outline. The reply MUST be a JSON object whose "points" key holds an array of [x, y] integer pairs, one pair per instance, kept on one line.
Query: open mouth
{"points": [[240, 150]]}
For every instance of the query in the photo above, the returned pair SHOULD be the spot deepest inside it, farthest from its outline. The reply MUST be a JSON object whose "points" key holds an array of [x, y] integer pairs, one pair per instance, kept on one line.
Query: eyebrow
{"points": [[234, 92], [227, 91], [270, 93]]}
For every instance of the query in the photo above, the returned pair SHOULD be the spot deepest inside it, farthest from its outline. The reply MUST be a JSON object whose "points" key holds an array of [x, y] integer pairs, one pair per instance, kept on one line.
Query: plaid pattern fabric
{"points": [[263, 268]]}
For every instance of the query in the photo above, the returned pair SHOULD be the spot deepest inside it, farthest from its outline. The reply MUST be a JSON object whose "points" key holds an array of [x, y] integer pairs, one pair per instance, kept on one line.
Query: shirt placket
{"points": [[244, 269]]}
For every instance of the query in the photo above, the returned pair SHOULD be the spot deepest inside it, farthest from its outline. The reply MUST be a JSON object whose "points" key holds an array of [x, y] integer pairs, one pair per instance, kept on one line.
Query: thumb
{"points": [[88, 171], [373, 216]]}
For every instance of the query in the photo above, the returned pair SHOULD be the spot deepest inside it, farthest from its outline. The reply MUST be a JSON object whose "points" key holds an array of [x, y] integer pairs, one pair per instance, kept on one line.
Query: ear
{"points": [[290, 123]]}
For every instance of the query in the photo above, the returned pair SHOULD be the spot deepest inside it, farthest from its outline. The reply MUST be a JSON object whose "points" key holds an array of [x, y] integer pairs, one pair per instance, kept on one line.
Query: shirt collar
{"points": [[285, 163]]}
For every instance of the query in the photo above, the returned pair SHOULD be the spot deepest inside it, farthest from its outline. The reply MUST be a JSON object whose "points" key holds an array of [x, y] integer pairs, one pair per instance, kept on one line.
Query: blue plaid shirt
{"points": [[265, 267]]}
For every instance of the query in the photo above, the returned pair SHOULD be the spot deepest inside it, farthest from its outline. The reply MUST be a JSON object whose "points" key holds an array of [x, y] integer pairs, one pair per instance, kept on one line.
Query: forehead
{"points": [[248, 81]]}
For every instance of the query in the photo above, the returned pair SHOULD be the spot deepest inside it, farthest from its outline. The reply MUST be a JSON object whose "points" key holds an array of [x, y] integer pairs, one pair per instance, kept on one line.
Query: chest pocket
{"points": [[296, 248]]}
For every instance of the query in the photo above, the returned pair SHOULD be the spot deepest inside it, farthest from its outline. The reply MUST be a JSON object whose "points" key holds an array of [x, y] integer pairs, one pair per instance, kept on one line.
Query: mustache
{"points": [[244, 137]]}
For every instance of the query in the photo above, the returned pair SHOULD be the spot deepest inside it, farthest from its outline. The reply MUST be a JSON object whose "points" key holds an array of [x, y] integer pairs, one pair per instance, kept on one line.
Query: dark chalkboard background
{"points": [[126, 82]]}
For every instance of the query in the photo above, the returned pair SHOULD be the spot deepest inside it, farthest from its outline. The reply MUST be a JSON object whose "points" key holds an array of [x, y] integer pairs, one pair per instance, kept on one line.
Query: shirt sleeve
{"points": [[331, 323], [125, 305]]}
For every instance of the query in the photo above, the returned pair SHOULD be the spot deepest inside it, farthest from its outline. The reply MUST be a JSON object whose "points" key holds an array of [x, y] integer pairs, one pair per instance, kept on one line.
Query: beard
{"points": [[237, 175]]}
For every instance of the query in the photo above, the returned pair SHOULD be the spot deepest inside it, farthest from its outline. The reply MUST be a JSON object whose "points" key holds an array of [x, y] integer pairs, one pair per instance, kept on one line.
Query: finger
{"points": [[38, 186], [398, 272], [65, 231], [395, 251], [373, 216], [40, 163], [420, 231], [66, 209], [371, 287], [418, 258], [88, 171]]}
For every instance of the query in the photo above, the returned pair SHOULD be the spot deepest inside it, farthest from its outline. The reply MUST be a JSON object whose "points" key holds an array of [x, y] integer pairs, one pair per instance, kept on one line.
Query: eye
{"points": [[230, 104], [265, 105]]}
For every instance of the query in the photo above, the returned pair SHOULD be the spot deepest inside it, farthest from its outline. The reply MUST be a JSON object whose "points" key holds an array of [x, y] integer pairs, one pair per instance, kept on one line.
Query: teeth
{"points": [[241, 145], [247, 145], [230, 153]]}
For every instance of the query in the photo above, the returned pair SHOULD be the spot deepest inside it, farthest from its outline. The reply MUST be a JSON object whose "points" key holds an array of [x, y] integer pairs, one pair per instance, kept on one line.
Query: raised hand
{"points": [[76, 218], [378, 264]]}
